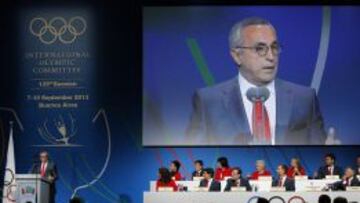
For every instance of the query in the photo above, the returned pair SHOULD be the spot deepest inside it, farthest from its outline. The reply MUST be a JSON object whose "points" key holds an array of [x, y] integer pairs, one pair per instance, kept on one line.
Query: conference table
{"points": [[306, 191], [261, 185], [242, 197]]}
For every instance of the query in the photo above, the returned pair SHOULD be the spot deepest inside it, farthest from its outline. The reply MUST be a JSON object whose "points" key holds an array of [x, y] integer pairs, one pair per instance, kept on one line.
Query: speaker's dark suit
{"points": [[219, 116], [51, 170]]}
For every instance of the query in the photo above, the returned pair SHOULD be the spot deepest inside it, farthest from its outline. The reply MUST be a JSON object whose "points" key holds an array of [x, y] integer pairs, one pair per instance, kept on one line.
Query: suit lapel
{"points": [[235, 107], [284, 103]]}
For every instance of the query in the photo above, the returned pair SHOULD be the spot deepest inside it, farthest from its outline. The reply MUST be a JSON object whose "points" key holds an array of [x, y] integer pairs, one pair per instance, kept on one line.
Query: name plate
{"points": [[332, 177], [313, 188], [238, 189], [201, 189], [353, 188], [165, 189], [197, 178], [277, 189], [301, 178], [265, 178]]}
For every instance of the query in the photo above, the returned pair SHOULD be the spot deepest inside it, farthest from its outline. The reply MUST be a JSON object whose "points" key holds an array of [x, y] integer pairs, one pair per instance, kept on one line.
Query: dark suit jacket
{"points": [[357, 170], [51, 169], [339, 185], [323, 172], [195, 174], [232, 183], [289, 184], [219, 116], [214, 187]]}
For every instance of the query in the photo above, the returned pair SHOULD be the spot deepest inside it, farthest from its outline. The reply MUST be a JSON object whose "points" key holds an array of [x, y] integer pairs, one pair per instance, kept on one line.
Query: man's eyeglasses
{"points": [[262, 49]]}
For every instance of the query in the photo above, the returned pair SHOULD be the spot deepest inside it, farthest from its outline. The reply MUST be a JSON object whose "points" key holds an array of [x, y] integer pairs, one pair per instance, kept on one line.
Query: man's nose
{"points": [[270, 56]]}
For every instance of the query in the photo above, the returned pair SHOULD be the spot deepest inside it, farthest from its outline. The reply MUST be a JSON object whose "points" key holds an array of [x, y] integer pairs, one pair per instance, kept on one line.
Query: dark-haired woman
{"points": [[223, 169], [165, 180]]}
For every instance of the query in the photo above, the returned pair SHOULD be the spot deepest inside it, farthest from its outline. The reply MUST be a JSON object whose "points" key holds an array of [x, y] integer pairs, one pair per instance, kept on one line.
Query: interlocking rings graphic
{"points": [[10, 187], [57, 29]]}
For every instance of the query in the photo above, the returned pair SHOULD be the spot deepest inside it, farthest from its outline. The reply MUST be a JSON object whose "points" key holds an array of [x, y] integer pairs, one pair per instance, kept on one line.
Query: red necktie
{"points": [[42, 171], [260, 122]]}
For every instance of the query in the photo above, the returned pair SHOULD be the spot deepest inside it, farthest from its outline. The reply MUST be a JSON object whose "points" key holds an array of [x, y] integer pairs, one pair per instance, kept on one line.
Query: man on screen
{"points": [[255, 107]]}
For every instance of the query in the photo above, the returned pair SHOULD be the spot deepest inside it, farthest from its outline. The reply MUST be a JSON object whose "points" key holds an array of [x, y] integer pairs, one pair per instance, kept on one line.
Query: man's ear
{"points": [[236, 55]]}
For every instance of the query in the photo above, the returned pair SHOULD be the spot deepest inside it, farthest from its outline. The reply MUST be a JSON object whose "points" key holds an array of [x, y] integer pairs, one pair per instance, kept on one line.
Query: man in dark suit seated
{"points": [[48, 171], [237, 180], [330, 168], [357, 166], [283, 180], [199, 169], [208, 181], [284, 113], [349, 179]]}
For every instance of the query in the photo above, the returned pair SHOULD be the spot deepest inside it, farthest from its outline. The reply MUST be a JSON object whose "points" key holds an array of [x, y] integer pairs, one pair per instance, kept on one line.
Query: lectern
{"points": [[31, 188]]}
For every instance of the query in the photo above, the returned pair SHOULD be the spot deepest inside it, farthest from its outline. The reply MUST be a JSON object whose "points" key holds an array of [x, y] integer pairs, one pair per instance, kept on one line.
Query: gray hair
{"points": [[235, 36], [262, 162]]}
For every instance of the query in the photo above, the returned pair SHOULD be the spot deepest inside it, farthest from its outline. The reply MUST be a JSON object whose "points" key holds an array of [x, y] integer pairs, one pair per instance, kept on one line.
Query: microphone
{"points": [[258, 93]]}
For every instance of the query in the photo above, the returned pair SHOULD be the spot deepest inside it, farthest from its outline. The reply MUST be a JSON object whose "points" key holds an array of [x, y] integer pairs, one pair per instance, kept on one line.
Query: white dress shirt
{"points": [[283, 179], [270, 104], [331, 169], [209, 183]]}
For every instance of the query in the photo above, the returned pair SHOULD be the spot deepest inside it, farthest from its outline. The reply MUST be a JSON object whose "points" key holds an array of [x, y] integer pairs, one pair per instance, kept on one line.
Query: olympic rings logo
{"points": [[58, 28], [9, 186]]}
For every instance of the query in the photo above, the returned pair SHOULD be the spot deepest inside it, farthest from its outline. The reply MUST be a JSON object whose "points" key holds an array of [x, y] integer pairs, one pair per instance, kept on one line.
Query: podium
{"points": [[31, 188]]}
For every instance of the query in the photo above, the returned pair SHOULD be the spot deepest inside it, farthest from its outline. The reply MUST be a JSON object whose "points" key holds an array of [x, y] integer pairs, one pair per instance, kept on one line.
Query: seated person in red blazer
{"points": [[349, 179], [209, 182], [174, 170], [236, 180], [283, 180], [295, 168], [223, 169], [199, 169], [165, 180], [260, 170]]}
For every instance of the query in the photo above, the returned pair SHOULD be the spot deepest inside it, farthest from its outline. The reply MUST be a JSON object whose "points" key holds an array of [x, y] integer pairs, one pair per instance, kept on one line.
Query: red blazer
{"points": [[220, 173], [256, 174], [169, 184], [291, 172], [177, 176]]}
